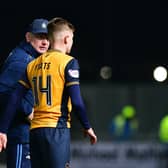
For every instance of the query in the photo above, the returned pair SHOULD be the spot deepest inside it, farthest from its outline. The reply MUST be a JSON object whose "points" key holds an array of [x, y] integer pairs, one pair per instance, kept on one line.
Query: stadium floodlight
{"points": [[106, 72], [160, 74]]}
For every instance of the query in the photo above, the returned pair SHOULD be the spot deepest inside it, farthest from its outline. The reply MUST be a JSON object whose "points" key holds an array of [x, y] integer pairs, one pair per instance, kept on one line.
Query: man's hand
{"points": [[92, 135], [3, 141], [31, 115]]}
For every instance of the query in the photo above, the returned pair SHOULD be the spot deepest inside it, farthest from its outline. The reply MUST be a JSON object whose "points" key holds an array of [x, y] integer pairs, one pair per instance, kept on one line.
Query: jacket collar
{"points": [[29, 49]]}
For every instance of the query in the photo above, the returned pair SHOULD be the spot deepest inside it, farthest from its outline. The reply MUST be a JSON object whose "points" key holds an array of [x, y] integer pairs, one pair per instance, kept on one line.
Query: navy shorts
{"points": [[18, 156], [50, 147]]}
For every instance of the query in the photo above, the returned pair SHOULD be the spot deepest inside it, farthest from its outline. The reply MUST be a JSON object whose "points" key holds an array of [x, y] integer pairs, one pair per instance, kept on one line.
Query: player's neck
{"points": [[57, 48]]}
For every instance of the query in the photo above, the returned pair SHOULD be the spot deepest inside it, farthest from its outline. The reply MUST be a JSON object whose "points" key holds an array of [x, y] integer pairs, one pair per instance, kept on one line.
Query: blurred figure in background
{"points": [[125, 124], [163, 130], [163, 137]]}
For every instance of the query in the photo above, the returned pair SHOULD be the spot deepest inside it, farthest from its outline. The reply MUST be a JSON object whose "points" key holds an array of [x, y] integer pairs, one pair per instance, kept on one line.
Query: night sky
{"points": [[131, 37]]}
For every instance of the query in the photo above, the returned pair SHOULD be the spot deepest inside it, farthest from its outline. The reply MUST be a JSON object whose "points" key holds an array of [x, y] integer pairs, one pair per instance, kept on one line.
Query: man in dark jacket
{"points": [[34, 44]]}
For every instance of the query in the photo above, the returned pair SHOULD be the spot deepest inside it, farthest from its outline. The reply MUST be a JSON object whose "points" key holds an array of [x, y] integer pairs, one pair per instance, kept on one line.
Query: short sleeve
{"points": [[72, 73]]}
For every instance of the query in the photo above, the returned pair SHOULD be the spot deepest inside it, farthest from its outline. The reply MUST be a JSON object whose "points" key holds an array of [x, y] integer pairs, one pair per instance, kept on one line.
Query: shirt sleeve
{"points": [[72, 83], [72, 73]]}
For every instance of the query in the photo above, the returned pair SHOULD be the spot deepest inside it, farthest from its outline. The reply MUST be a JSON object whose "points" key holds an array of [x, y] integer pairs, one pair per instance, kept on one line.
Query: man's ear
{"points": [[28, 36], [66, 39]]}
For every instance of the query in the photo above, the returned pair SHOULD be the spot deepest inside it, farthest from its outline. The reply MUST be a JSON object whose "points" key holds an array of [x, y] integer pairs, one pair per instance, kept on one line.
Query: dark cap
{"points": [[38, 26]]}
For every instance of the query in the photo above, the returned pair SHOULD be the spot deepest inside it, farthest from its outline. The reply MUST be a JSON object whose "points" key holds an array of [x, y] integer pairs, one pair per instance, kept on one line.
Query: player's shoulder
{"points": [[59, 55], [68, 57]]}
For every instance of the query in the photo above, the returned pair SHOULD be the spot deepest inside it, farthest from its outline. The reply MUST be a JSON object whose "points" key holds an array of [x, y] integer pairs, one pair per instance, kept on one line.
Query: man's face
{"points": [[39, 41]]}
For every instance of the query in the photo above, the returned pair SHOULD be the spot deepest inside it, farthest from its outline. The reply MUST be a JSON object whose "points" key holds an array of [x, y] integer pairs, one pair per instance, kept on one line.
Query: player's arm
{"points": [[72, 79], [80, 110], [78, 105]]}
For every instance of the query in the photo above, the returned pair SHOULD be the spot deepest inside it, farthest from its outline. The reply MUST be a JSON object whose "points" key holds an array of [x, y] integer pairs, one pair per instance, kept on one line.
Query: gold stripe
{"points": [[72, 83], [68, 125], [24, 84]]}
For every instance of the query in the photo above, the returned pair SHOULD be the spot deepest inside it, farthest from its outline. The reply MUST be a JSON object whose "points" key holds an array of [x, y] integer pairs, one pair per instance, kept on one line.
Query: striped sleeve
{"points": [[72, 73]]}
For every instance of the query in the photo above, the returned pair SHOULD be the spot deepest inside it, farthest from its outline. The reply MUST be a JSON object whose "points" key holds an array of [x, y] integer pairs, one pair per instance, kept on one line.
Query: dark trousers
{"points": [[18, 156], [50, 147]]}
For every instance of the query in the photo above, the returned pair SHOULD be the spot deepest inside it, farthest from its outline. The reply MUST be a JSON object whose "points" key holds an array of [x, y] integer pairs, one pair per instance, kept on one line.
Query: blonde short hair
{"points": [[59, 24]]}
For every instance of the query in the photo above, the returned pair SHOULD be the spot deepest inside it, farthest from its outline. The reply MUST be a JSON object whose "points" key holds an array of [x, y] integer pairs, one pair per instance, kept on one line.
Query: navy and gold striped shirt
{"points": [[50, 76]]}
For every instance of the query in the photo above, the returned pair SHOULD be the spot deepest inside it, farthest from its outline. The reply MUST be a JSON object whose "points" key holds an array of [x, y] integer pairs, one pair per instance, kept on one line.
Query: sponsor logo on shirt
{"points": [[73, 73]]}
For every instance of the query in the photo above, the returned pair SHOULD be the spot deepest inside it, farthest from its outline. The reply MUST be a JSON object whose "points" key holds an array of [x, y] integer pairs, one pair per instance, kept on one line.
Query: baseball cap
{"points": [[38, 26]]}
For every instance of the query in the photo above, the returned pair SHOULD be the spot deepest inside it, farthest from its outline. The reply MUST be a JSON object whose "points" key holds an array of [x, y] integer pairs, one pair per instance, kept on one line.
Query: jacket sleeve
{"points": [[27, 103], [10, 110]]}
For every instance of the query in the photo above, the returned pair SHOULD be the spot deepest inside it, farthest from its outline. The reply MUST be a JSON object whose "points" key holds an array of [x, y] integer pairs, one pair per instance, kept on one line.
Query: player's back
{"points": [[47, 78]]}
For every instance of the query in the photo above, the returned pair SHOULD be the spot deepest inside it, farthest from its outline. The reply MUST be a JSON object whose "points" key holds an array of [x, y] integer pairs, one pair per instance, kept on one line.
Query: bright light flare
{"points": [[160, 73]]}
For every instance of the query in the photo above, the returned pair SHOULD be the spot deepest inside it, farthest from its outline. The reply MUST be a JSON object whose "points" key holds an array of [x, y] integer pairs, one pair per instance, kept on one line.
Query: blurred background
{"points": [[122, 48]]}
